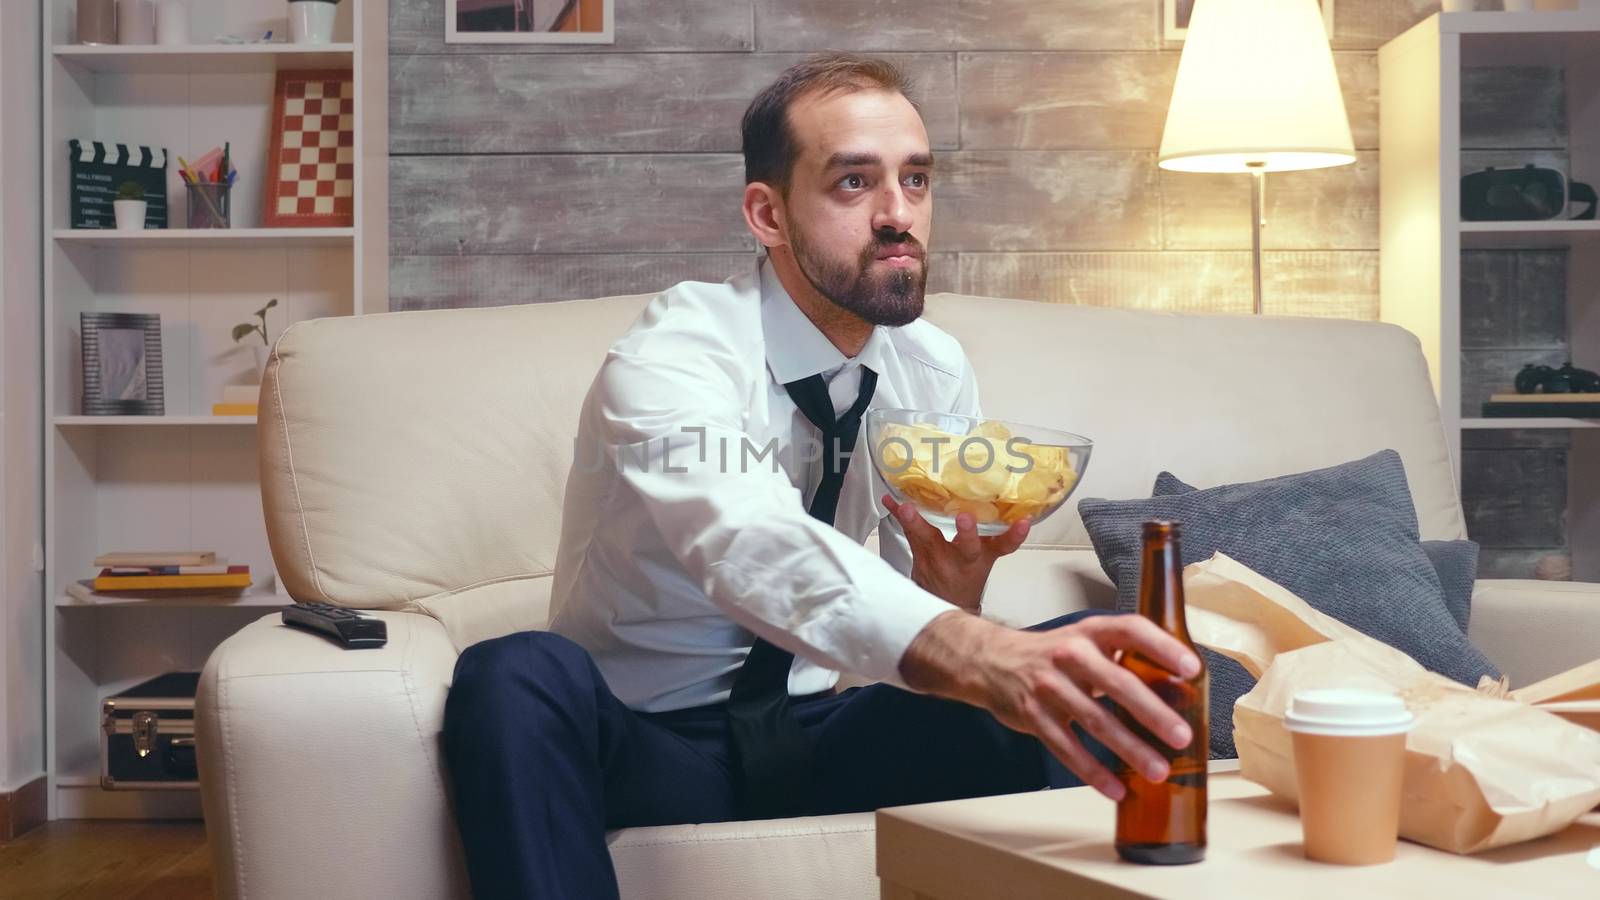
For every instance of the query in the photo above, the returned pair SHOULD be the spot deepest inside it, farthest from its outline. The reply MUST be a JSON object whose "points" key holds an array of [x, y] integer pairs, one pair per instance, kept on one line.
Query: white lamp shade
{"points": [[1256, 91]]}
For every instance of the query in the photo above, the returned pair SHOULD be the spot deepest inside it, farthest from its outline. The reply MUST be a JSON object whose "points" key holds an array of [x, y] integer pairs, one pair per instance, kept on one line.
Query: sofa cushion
{"points": [[1235, 398], [1036, 584], [776, 859], [1343, 538], [1455, 562]]}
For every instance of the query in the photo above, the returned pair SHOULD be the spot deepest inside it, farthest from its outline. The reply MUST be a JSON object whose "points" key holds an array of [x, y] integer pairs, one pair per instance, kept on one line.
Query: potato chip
{"points": [[994, 431], [1016, 512], [981, 511], [976, 473]]}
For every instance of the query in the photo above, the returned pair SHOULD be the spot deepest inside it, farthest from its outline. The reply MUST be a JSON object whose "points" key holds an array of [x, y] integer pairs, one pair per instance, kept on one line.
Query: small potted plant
{"points": [[245, 329], [130, 206], [311, 21]]}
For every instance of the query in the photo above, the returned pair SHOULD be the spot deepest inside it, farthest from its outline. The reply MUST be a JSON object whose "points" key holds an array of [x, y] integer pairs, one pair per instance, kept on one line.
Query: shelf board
{"points": [[205, 58], [74, 421], [1526, 235], [1531, 422], [80, 595], [1553, 38], [206, 238], [1554, 21]]}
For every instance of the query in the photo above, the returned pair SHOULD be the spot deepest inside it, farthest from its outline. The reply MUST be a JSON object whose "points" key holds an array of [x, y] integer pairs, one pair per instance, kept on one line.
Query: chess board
{"points": [[311, 167]]}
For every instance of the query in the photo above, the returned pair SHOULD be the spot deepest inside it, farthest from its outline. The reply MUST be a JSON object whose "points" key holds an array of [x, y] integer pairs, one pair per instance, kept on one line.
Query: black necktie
{"points": [[773, 751]]}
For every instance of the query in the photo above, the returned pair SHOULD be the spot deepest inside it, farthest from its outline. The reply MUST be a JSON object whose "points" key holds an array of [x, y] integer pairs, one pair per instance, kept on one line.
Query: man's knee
{"points": [[516, 675], [1071, 618]]}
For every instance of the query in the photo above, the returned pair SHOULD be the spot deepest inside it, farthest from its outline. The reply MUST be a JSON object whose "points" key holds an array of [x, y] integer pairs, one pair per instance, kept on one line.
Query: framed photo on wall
{"points": [[122, 364], [1175, 18], [529, 22]]}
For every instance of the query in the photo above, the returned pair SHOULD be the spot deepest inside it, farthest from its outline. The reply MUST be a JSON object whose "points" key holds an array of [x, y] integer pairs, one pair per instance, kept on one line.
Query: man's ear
{"points": [[763, 214]]}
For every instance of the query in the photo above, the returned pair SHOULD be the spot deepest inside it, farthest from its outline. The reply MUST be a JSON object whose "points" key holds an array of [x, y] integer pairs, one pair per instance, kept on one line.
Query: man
{"points": [[711, 582]]}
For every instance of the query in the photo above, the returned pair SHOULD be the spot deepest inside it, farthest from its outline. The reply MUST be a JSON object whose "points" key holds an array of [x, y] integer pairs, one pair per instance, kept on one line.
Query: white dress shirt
{"points": [[684, 527]]}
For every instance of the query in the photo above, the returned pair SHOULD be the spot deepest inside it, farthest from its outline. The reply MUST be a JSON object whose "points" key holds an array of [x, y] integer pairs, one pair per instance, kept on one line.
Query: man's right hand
{"points": [[1038, 682]]}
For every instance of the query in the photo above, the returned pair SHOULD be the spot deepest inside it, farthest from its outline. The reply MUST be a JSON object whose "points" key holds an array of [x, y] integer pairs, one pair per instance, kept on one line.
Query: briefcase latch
{"points": [[145, 724]]}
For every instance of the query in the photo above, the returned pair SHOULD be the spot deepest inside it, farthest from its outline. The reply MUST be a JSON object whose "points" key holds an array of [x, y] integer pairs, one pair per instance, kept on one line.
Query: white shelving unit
{"points": [[204, 58], [186, 479], [81, 593], [150, 421], [1422, 235], [205, 238]]}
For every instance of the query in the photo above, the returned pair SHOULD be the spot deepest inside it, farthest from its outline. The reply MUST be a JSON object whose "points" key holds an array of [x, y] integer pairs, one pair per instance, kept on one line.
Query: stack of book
{"points": [[237, 400], [168, 570]]}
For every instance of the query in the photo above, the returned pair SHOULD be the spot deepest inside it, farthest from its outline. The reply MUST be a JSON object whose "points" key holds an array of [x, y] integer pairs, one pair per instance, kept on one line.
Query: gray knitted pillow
{"points": [[1457, 565], [1455, 562], [1343, 538]]}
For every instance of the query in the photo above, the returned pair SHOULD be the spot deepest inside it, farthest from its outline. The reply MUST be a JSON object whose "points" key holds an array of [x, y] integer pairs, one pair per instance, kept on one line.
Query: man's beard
{"points": [[892, 297]]}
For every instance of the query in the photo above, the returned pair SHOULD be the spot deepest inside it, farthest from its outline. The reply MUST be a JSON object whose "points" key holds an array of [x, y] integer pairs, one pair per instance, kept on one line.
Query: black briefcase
{"points": [[147, 735]]}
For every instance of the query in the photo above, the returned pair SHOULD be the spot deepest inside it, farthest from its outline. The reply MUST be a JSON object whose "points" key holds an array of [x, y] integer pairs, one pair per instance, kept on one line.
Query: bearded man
{"points": [[711, 583]]}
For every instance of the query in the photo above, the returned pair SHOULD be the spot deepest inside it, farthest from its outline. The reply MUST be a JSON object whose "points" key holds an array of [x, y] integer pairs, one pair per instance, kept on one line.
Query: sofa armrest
{"points": [[320, 767], [1535, 629]]}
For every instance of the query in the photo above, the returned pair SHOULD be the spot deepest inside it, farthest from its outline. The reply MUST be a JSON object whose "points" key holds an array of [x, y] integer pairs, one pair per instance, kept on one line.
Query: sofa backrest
{"points": [[416, 460]]}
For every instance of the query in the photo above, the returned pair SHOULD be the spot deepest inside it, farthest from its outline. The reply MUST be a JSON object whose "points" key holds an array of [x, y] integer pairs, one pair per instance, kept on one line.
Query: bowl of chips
{"points": [[1000, 472]]}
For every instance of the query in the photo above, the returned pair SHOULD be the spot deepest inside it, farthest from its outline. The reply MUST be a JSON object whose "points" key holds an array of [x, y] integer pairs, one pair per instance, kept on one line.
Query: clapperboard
{"points": [[98, 170]]}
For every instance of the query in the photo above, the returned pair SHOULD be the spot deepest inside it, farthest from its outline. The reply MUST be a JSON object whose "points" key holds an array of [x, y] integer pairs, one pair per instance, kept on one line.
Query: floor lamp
{"points": [[1256, 93]]}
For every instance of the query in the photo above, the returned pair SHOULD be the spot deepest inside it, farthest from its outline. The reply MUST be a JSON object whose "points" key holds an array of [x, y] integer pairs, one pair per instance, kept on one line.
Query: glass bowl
{"points": [[1001, 472]]}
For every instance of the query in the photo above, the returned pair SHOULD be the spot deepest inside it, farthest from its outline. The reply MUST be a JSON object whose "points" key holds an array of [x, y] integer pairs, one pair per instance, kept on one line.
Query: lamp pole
{"points": [[1258, 191]]}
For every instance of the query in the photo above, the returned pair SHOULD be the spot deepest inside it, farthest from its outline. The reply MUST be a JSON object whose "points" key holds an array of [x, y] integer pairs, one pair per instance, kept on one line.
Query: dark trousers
{"points": [[544, 759]]}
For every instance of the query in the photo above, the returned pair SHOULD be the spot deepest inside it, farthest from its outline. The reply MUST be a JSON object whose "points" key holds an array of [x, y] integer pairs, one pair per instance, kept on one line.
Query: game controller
{"points": [[1537, 379]]}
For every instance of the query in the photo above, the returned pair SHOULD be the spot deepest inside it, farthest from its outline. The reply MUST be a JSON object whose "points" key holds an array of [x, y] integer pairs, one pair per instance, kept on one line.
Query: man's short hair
{"points": [[770, 146]]}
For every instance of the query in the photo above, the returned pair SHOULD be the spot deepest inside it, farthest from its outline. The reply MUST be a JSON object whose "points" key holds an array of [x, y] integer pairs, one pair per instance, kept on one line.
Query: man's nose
{"points": [[893, 210]]}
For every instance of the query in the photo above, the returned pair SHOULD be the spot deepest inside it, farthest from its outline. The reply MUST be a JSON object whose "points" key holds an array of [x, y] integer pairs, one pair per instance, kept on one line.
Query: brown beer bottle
{"points": [[1165, 823]]}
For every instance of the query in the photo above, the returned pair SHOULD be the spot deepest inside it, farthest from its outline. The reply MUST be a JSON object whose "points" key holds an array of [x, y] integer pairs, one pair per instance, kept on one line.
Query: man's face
{"points": [[860, 202]]}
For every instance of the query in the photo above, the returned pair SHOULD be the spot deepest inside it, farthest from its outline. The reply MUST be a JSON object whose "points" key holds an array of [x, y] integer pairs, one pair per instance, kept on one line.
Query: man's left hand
{"points": [[957, 569]]}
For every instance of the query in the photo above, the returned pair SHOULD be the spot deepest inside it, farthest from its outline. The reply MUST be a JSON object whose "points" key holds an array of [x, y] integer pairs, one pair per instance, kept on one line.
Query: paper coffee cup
{"points": [[1349, 761]]}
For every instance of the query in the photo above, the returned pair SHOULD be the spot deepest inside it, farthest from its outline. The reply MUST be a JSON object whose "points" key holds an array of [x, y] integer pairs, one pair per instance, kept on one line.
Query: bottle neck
{"points": [[1161, 585]]}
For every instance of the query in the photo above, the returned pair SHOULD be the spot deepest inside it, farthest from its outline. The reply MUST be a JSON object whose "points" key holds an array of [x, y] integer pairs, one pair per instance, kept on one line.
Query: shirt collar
{"points": [[795, 347]]}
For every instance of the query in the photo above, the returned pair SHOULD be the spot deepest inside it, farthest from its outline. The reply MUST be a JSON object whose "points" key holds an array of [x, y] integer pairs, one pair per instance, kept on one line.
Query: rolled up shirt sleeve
{"points": [[674, 430]]}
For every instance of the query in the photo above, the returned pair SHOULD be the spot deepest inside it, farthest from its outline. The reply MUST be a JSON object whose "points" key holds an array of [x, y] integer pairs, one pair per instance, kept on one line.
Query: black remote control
{"points": [[350, 628]]}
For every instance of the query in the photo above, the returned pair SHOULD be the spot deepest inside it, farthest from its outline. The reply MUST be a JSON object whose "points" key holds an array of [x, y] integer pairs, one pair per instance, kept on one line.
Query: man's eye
{"points": [[918, 179], [852, 182]]}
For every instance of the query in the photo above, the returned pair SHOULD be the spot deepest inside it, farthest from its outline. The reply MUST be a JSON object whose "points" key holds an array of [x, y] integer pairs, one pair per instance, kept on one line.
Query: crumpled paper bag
{"points": [[1482, 771], [1573, 695]]}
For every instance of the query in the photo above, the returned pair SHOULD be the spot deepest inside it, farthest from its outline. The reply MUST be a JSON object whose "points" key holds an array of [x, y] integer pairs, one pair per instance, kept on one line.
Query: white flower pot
{"points": [[130, 214], [311, 21]]}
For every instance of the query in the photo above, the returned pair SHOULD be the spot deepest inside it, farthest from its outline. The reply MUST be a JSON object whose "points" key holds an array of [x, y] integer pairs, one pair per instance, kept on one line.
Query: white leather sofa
{"points": [[414, 463]]}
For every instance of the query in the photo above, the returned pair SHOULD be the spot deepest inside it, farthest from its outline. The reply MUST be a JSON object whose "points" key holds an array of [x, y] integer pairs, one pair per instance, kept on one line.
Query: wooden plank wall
{"points": [[523, 174], [528, 174]]}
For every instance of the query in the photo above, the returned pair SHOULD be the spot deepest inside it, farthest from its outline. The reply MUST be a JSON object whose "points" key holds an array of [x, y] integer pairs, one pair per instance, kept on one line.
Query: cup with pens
{"points": [[209, 183]]}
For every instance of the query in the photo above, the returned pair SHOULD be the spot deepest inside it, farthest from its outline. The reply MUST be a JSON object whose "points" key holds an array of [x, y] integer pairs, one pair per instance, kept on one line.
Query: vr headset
{"points": [[1521, 195]]}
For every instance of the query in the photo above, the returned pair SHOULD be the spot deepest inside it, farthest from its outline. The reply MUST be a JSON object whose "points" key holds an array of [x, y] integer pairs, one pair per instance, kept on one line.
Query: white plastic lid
{"points": [[1347, 713]]}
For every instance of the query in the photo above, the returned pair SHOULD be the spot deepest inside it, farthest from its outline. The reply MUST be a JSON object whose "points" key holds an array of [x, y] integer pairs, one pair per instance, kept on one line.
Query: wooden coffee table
{"points": [[1057, 845]]}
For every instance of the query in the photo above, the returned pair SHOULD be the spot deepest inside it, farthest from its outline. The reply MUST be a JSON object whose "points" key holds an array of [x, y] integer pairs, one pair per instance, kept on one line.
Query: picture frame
{"points": [[529, 21], [311, 154], [1175, 19], [121, 356]]}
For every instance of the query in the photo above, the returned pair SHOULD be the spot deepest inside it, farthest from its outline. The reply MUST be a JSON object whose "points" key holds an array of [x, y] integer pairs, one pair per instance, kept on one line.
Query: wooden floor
{"points": [[125, 860]]}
